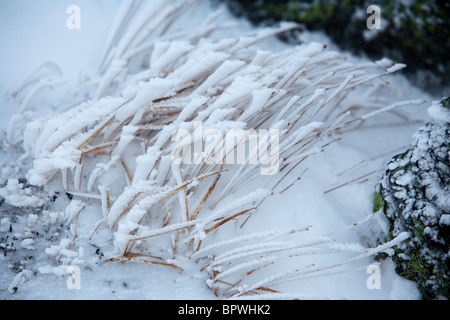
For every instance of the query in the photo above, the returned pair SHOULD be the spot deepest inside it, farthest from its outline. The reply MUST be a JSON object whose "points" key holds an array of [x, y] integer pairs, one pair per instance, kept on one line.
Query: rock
{"points": [[414, 194]]}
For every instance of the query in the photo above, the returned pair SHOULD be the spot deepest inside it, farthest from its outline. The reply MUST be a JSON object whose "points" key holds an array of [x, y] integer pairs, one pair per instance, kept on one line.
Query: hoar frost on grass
{"points": [[113, 152]]}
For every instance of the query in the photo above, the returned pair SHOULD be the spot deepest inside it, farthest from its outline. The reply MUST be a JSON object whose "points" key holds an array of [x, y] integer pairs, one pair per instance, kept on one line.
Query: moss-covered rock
{"points": [[415, 32], [414, 194]]}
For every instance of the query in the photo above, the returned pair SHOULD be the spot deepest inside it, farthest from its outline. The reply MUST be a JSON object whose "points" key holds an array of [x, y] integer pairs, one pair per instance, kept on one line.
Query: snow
{"points": [[27, 244], [15, 194], [439, 113], [304, 217], [445, 220]]}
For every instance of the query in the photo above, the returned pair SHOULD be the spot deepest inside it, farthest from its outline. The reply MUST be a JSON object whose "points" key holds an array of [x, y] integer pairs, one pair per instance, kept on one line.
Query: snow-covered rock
{"points": [[414, 193]]}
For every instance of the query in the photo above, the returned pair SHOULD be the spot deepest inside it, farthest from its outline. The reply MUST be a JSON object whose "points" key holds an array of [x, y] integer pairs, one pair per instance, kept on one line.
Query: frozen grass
{"points": [[114, 149]]}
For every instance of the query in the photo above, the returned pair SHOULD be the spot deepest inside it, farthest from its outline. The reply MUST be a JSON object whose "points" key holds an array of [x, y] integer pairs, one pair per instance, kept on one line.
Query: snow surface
{"points": [[34, 32]]}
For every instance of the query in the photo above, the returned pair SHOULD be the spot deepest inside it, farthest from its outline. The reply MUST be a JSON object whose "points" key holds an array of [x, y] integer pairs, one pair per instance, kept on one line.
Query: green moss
{"points": [[318, 12], [388, 9], [377, 202], [381, 256], [416, 269], [401, 155], [418, 229], [446, 102], [346, 4], [401, 168], [391, 234], [277, 10], [420, 271]]}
